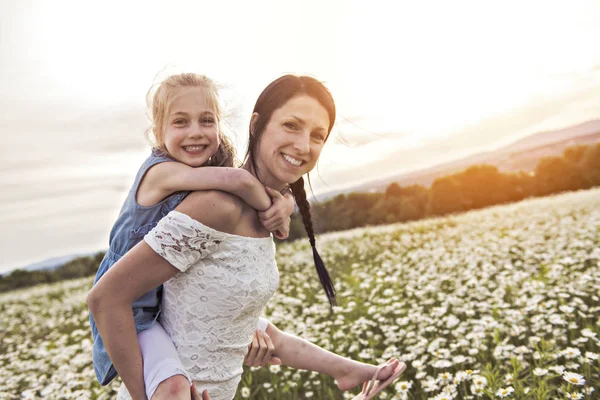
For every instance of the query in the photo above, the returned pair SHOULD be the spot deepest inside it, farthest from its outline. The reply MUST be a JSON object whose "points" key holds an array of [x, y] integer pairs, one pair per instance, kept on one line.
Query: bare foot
{"points": [[363, 373]]}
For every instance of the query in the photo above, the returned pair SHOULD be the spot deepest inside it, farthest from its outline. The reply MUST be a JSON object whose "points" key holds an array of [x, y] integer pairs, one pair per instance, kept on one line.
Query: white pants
{"points": [[161, 360]]}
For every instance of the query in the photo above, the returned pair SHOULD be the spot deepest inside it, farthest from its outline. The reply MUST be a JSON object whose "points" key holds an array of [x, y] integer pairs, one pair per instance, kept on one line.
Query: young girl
{"points": [[186, 134]]}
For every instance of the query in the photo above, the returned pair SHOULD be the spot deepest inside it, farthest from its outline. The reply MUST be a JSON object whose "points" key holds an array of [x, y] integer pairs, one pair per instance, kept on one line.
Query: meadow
{"points": [[496, 303]]}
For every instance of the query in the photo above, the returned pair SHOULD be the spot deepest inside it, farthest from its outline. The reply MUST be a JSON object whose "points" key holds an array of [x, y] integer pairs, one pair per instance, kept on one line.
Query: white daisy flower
{"points": [[403, 386], [274, 368], [574, 396], [573, 378], [505, 392], [571, 352]]}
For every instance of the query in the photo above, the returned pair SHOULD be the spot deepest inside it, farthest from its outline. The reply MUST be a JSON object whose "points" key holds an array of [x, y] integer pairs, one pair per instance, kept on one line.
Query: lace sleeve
{"points": [[182, 241]]}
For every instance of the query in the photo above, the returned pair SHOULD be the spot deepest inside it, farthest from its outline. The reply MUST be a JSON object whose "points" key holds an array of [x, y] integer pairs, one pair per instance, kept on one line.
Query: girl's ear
{"points": [[253, 122]]}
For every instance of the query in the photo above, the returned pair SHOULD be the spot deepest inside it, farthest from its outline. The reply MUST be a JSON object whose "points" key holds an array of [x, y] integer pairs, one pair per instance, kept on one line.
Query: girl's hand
{"points": [[277, 218], [260, 351]]}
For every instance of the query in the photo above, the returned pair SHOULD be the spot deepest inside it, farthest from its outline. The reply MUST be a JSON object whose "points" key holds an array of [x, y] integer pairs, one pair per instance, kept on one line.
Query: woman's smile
{"points": [[291, 161]]}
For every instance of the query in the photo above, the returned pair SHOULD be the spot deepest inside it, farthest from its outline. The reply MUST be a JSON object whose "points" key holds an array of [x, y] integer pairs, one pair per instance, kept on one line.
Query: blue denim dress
{"points": [[133, 223]]}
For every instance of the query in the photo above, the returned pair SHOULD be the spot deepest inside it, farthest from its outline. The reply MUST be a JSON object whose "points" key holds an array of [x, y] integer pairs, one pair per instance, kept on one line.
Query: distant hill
{"points": [[522, 155], [556, 136], [51, 263]]}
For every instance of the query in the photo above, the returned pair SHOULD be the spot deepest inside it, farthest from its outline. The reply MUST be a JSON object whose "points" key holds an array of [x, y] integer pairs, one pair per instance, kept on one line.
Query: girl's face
{"points": [[192, 128], [292, 141]]}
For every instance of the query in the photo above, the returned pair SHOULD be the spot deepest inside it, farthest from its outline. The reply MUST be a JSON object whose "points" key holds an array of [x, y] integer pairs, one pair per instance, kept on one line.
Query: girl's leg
{"points": [[300, 354], [164, 375]]}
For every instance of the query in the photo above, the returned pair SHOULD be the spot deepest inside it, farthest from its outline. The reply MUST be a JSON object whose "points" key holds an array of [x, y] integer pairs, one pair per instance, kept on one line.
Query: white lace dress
{"points": [[212, 307]]}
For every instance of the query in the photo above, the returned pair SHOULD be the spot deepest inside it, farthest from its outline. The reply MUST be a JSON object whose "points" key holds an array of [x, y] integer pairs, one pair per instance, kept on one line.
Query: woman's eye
{"points": [[291, 125], [318, 137], [179, 121], [208, 121]]}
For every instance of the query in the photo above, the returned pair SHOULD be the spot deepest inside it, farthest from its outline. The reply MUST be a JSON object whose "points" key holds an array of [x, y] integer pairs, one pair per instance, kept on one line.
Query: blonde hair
{"points": [[159, 102]]}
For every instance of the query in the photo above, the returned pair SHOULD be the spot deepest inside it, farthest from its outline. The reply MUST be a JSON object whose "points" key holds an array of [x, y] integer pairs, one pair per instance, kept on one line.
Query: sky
{"points": [[415, 83]]}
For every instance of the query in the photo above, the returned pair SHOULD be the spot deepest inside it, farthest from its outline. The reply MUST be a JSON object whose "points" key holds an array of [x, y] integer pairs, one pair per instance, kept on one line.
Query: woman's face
{"points": [[292, 141]]}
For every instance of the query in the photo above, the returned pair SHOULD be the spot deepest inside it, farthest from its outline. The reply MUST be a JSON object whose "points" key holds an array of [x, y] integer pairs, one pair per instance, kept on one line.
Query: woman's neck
{"points": [[265, 178]]}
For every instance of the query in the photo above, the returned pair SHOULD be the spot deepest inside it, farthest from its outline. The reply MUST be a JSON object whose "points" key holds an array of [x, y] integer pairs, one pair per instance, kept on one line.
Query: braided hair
{"points": [[273, 97], [304, 207]]}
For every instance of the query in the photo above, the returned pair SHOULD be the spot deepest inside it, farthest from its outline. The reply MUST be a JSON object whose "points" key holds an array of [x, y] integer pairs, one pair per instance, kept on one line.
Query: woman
{"points": [[218, 267]]}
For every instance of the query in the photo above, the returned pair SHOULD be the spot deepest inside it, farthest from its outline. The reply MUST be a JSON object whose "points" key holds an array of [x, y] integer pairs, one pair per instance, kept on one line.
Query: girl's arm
{"points": [[277, 218], [167, 178]]}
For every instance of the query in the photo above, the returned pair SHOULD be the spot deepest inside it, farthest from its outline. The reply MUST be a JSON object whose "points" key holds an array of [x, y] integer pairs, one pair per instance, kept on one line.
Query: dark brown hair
{"points": [[273, 97]]}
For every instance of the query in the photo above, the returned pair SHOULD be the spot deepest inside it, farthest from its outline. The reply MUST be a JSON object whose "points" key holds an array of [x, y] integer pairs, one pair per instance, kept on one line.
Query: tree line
{"points": [[77, 268], [475, 187]]}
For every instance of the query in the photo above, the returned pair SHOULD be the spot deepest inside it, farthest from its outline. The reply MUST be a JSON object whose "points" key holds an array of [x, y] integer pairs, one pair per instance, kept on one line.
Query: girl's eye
{"points": [[208, 121], [179, 121]]}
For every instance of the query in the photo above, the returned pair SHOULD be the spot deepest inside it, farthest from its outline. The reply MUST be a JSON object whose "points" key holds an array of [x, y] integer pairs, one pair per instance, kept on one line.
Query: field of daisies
{"points": [[496, 303]]}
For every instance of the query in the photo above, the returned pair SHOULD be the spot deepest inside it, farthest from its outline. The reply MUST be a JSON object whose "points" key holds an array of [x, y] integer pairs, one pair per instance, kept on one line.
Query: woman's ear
{"points": [[253, 122]]}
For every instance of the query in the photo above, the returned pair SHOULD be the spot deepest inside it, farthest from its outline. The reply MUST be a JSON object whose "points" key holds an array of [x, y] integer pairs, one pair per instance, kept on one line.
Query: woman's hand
{"points": [[196, 395], [260, 351], [277, 218]]}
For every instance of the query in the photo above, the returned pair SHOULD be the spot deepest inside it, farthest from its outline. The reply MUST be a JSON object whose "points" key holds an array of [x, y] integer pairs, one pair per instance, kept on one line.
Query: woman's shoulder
{"points": [[218, 210]]}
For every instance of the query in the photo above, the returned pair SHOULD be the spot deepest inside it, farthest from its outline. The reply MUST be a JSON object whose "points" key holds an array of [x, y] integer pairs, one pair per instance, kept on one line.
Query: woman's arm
{"points": [[110, 300], [167, 178], [139, 271]]}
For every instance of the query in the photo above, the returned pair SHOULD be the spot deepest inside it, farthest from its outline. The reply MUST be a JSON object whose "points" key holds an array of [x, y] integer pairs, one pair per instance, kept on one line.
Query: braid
{"points": [[300, 196]]}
